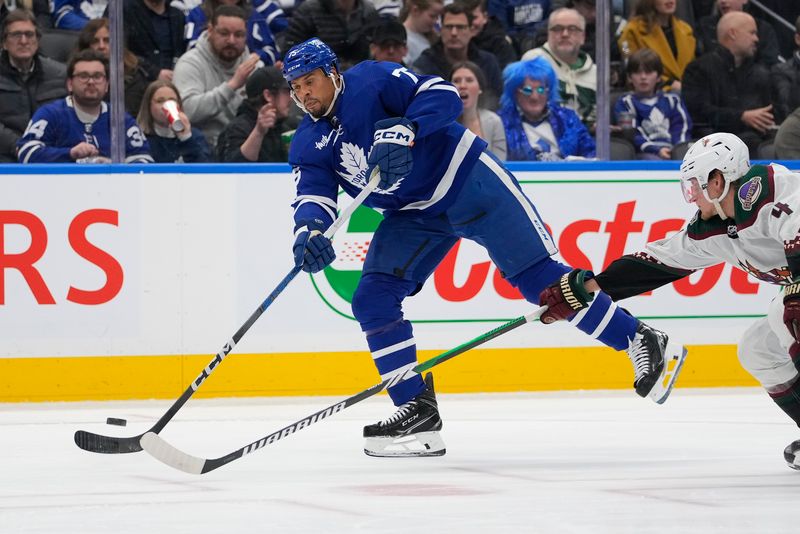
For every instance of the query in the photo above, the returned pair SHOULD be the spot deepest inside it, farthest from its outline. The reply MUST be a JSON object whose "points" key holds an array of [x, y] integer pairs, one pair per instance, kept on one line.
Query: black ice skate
{"points": [[656, 362], [413, 430], [792, 454]]}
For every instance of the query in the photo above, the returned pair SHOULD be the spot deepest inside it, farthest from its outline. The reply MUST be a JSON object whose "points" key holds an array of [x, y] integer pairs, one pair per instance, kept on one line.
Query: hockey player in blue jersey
{"points": [[438, 184], [77, 128]]}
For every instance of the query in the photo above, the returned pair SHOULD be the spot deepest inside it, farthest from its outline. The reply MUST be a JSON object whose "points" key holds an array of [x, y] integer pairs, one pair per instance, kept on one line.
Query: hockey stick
{"points": [[157, 447], [92, 442]]}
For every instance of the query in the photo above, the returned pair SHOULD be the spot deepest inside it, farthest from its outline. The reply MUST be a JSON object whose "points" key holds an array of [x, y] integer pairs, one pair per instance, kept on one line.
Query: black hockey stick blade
{"points": [[99, 443], [166, 453], [89, 441]]}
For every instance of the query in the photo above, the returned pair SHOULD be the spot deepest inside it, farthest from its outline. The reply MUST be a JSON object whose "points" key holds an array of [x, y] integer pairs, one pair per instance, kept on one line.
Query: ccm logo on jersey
{"points": [[397, 134]]}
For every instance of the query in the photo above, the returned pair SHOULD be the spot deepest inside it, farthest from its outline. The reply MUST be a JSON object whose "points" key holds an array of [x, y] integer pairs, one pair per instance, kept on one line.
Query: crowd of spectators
{"points": [[202, 77]]}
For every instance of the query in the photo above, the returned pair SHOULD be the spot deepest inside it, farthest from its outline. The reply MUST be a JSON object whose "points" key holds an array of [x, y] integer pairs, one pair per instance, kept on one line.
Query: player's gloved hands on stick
{"points": [[312, 250], [391, 150], [565, 297]]}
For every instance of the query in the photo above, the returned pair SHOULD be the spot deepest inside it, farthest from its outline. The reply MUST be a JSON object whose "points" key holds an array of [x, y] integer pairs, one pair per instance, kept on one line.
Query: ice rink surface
{"points": [[597, 462]]}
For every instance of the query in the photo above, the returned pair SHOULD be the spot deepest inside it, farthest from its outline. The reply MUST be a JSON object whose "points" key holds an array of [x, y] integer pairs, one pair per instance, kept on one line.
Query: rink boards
{"points": [[122, 282]]}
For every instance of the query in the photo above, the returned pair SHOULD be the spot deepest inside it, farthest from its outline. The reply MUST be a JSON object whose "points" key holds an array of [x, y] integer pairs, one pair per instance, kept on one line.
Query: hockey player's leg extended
{"points": [[413, 430], [656, 360]]}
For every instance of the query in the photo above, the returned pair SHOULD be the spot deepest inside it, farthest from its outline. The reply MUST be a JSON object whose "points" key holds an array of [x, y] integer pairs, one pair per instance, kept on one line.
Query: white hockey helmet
{"points": [[724, 152]]}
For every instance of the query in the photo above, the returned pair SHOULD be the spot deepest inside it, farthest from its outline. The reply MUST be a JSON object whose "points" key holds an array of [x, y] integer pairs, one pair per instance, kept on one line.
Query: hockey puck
{"points": [[115, 421]]}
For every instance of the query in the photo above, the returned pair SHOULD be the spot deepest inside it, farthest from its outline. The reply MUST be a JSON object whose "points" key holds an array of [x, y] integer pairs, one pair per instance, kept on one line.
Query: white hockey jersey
{"points": [[763, 238]]}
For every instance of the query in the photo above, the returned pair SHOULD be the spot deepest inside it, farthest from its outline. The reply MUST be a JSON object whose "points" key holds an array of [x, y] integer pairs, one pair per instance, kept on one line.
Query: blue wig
{"points": [[514, 75]]}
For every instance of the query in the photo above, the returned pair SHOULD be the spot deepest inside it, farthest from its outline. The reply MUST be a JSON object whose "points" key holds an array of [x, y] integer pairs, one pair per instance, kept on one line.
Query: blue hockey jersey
{"points": [[659, 121], [332, 152], [74, 14], [55, 128]]}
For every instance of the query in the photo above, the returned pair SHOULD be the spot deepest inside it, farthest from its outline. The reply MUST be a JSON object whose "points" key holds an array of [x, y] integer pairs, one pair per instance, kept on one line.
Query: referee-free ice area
{"points": [[590, 462]]}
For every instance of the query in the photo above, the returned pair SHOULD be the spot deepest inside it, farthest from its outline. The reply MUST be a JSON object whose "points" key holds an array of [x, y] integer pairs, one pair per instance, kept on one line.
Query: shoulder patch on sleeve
{"points": [[753, 191]]}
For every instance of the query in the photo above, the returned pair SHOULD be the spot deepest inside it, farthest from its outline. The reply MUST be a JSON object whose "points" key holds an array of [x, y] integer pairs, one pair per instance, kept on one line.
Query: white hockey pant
{"points": [[764, 350]]}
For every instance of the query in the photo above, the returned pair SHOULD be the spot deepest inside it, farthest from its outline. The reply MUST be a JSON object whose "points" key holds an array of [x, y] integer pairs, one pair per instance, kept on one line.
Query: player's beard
{"points": [[319, 110]]}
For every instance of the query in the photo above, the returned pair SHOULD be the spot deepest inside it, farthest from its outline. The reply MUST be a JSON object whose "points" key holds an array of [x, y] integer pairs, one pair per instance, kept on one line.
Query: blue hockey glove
{"points": [[312, 250], [391, 150]]}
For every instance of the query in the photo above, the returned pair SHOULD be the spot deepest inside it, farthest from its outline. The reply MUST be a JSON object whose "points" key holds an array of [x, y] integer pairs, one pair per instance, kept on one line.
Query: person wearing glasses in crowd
{"points": [[78, 127], [577, 73], [469, 80], [537, 126], [27, 79], [455, 44]]}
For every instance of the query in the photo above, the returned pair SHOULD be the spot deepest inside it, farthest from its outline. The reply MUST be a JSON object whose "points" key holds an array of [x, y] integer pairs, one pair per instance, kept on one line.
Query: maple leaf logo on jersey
{"points": [[354, 161], [93, 11], [657, 126]]}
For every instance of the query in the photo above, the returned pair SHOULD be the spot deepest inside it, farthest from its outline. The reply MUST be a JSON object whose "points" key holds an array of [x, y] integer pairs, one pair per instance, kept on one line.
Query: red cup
{"points": [[170, 108]]}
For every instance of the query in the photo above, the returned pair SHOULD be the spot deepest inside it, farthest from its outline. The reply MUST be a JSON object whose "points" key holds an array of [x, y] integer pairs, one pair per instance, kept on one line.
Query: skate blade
{"points": [[674, 355], [413, 445]]}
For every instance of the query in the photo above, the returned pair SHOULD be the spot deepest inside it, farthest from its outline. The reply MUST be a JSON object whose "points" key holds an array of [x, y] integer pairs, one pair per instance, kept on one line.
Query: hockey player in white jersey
{"points": [[748, 217], [438, 184]]}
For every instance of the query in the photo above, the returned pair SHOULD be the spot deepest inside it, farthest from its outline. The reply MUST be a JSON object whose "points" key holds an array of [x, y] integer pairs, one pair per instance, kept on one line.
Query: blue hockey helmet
{"points": [[307, 57]]}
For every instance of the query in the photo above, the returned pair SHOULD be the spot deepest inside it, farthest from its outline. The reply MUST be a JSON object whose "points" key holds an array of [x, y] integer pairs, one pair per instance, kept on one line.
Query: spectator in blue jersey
{"points": [[261, 130], [74, 14], [660, 120], [438, 183], [521, 19], [170, 142], [265, 19], [27, 79], [537, 126], [455, 44], [78, 127], [154, 32]]}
